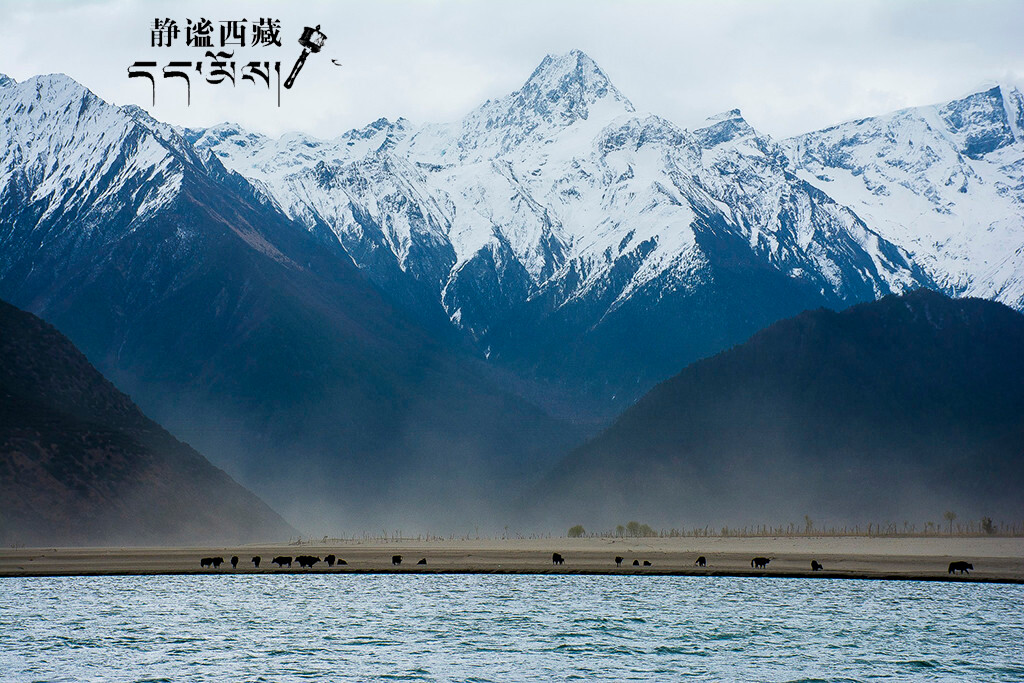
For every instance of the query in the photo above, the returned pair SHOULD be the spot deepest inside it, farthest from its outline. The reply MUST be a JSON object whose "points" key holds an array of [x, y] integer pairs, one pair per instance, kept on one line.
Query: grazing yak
{"points": [[256, 561], [217, 562], [618, 560], [396, 559], [816, 566], [557, 559], [206, 562], [636, 563], [234, 561], [423, 561], [760, 562], [282, 560], [701, 561], [961, 567], [647, 563], [330, 560]]}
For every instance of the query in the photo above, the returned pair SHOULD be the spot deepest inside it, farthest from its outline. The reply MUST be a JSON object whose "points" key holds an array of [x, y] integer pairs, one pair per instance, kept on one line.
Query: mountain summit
{"points": [[562, 87], [563, 90]]}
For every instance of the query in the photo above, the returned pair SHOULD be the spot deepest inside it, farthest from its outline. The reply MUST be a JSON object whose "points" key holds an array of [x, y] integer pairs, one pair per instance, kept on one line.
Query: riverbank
{"points": [[994, 559]]}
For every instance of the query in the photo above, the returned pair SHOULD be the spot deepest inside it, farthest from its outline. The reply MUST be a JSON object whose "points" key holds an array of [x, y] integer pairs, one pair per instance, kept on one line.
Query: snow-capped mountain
{"points": [[554, 219], [302, 309], [944, 182]]}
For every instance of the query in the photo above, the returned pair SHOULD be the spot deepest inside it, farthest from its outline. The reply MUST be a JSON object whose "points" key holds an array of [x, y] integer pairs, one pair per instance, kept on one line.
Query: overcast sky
{"points": [[790, 66]]}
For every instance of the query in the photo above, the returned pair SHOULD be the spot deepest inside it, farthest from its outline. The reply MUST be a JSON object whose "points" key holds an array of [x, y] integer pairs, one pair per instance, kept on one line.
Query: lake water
{"points": [[505, 628]]}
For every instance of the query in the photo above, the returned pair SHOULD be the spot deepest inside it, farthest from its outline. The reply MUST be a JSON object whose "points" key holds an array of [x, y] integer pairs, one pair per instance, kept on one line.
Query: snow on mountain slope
{"points": [[945, 182], [791, 224]]}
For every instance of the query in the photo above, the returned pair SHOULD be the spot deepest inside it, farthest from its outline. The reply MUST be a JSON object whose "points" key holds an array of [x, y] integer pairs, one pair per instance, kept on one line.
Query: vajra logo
{"points": [[223, 66]]}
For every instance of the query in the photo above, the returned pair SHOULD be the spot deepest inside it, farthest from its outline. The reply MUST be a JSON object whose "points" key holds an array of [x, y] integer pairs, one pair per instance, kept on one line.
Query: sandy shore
{"points": [[994, 559]]}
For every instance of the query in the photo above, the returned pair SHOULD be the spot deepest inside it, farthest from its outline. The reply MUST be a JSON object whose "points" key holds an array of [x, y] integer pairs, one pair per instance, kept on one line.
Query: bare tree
{"points": [[949, 516]]}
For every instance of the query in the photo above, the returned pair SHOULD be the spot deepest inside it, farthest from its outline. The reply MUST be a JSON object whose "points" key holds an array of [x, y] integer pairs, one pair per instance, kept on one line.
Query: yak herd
{"points": [[309, 561]]}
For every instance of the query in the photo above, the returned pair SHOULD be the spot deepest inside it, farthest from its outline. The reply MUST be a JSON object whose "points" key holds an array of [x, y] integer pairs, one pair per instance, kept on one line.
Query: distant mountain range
{"points": [[420, 320], [893, 410], [81, 464]]}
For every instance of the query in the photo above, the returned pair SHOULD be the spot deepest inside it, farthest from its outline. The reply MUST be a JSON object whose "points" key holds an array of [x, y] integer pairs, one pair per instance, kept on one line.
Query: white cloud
{"points": [[791, 66]]}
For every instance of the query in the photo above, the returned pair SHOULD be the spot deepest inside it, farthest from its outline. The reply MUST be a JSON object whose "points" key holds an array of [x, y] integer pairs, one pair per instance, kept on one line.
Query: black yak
{"points": [[647, 563], [340, 562], [636, 563], [234, 561], [618, 560], [282, 560], [557, 559], [330, 560], [217, 562], [256, 561], [961, 567], [306, 561], [423, 561], [396, 559], [760, 562], [206, 562], [701, 561], [816, 566]]}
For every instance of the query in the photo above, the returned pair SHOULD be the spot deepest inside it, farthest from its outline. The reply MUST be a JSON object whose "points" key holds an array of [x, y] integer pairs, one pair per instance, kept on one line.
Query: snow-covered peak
{"points": [[50, 90], [984, 121], [378, 127], [562, 91], [724, 116], [78, 161], [6, 80], [573, 79], [722, 128]]}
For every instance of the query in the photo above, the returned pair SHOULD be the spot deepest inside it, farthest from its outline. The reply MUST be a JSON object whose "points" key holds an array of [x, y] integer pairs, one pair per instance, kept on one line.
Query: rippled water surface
{"points": [[505, 628]]}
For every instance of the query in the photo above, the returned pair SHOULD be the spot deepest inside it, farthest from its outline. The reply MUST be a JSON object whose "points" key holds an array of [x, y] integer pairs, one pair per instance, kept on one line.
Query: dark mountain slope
{"points": [[891, 410], [80, 464]]}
